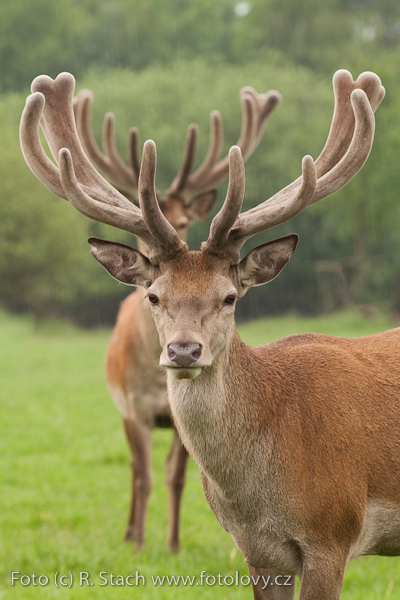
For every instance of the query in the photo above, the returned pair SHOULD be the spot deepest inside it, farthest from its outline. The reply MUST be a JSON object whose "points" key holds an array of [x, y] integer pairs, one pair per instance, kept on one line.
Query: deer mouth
{"points": [[184, 372], [184, 360]]}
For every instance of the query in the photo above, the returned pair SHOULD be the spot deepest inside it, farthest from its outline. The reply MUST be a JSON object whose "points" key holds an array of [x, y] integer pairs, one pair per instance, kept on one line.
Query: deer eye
{"points": [[153, 298], [230, 299]]}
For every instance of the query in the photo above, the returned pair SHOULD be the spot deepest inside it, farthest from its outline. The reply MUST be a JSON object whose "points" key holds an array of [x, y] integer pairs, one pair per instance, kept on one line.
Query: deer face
{"points": [[193, 296], [193, 304], [175, 212], [182, 214]]}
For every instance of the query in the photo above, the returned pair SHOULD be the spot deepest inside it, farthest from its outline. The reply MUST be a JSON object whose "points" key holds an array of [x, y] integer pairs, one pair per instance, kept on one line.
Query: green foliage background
{"points": [[161, 66]]}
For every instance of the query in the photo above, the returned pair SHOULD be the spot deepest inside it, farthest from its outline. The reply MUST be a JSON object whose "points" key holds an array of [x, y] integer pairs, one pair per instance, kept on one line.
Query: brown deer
{"points": [[298, 440], [135, 381]]}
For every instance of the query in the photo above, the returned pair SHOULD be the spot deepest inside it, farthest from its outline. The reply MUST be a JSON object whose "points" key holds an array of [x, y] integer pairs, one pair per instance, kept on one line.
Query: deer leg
{"points": [[176, 470], [322, 577], [139, 439], [272, 585]]}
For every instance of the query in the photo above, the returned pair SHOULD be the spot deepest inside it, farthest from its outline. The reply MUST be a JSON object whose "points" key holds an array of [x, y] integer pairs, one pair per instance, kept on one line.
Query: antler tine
{"points": [[256, 109], [343, 122], [248, 225], [189, 155], [108, 162], [123, 176], [134, 155], [266, 104], [357, 152], [341, 133], [226, 217], [35, 157], [213, 152], [249, 122], [338, 163], [160, 228], [219, 171], [83, 103]]}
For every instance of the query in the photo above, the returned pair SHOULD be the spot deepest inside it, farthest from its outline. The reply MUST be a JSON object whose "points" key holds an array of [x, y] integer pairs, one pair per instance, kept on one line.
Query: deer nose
{"points": [[184, 355]]}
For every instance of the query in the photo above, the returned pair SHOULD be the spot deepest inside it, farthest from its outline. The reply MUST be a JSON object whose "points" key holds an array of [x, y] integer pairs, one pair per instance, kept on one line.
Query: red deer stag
{"points": [[298, 440], [135, 381]]}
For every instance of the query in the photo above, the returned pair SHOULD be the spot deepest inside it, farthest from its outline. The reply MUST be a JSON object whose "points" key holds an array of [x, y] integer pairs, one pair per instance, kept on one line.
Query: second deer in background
{"points": [[135, 381]]}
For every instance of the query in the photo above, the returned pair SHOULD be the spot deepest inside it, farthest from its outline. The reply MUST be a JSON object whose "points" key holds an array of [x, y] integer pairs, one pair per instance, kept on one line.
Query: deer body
{"points": [[298, 441], [298, 444]]}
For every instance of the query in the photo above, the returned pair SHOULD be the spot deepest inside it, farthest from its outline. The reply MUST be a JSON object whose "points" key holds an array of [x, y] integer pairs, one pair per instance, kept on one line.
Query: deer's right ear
{"points": [[201, 205], [125, 264]]}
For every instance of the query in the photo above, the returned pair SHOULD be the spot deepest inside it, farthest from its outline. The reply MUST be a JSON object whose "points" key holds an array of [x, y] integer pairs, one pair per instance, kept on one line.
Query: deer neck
{"points": [[209, 410]]}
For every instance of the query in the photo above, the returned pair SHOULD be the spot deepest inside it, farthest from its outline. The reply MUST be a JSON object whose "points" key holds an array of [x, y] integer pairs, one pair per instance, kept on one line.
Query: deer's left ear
{"points": [[265, 262], [201, 206]]}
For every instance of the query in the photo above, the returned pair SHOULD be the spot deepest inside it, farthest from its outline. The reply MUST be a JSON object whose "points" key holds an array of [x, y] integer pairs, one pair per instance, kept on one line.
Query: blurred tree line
{"points": [[161, 66]]}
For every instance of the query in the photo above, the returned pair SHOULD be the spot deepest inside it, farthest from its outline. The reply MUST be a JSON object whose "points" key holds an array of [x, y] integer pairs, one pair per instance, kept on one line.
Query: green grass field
{"points": [[65, 481]]}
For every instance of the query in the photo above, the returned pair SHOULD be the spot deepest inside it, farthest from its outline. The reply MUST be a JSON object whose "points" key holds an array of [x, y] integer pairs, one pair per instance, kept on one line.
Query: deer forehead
{"points": [[195, 276]]}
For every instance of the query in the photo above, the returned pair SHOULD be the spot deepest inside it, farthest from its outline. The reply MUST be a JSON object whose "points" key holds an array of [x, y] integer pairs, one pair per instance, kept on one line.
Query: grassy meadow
{"points": [[65, 480]]}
